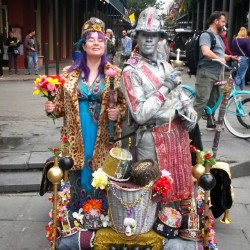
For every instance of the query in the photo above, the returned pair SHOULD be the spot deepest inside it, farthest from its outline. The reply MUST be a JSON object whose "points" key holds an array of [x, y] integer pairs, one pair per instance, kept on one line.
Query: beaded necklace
{"points": [[130, 206], [133, 204], [88, 84]]}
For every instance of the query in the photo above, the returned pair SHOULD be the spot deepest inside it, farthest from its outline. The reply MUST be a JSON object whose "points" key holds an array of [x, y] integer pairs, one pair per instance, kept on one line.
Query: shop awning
{"points": [[119, 7]]}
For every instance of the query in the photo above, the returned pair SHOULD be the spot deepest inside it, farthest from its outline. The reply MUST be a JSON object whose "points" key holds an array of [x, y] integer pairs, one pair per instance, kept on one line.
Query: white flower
{"points": [[166, 174], [105, 220], [100, 179]]}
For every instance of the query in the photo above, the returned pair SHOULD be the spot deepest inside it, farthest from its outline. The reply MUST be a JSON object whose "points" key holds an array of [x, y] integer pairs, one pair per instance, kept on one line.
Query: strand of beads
{"points": [[135, 202]]}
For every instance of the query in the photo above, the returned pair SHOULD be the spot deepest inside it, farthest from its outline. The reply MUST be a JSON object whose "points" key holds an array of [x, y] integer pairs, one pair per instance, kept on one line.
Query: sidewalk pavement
{"points": [[24, 216], [21, 75], [23, 213]]}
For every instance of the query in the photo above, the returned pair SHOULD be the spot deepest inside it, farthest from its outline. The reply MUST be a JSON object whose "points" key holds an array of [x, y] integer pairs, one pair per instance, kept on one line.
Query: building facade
{"points": [[58, 23]]}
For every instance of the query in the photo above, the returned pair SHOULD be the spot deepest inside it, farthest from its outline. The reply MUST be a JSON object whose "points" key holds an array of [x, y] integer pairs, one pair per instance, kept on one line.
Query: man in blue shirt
{"points": [[210, 72], [126, 45]]}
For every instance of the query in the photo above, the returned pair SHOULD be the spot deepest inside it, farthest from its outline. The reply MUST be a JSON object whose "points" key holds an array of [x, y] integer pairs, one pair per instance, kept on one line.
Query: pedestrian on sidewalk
{"points": [[83, 103], [163, 49], [1, 55], [223, 35], [126, 45], [31, 49], [241, 48], [12, 44], [208, 71], [110, 45]]}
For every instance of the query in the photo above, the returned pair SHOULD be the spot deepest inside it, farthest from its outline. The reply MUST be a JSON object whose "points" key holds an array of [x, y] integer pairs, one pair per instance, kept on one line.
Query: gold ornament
{"points": [[198, 170], [55, 174]]}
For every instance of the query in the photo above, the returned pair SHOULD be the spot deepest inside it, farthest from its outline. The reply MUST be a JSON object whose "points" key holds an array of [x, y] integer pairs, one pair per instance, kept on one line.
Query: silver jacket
{"points": [[141, 83]]}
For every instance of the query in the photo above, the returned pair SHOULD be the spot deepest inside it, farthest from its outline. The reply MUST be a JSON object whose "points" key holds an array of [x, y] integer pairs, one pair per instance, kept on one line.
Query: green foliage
{"points": [[188, 4], [207, 156]]}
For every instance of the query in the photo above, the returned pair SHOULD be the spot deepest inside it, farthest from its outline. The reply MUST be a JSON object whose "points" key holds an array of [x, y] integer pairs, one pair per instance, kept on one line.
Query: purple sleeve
{"points": [[248, 47]]}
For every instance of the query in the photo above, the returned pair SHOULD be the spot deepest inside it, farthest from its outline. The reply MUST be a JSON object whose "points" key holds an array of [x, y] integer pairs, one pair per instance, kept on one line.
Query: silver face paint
{"points": [[147, 43]]}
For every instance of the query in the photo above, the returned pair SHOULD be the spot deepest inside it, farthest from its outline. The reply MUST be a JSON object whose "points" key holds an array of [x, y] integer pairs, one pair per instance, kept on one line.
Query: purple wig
{"points": [[81, 64]]}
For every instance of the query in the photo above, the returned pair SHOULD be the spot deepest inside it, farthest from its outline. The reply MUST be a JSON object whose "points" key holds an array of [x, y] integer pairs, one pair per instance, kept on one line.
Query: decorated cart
{"points": [[139, 205]]}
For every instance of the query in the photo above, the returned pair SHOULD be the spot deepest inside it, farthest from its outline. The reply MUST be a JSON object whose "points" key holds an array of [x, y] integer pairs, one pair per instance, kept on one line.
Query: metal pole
{"points": [[57, 36], [87, 10], [205, 15], [213, 5], [198, 15], [1, 18], [230, 20], [46, 58], [224, 5], [73, 21], [95, 11]]}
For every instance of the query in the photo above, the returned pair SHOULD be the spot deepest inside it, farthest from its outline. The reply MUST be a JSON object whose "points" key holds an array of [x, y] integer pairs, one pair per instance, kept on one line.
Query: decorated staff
{"points": [[201, 172], [207, 182], [111, 73], [226, 92], [55, 175], [66, 162]]}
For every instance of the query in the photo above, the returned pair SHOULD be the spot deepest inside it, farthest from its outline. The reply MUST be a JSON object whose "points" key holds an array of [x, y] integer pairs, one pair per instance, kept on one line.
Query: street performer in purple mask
{"points": [[160, 108]]}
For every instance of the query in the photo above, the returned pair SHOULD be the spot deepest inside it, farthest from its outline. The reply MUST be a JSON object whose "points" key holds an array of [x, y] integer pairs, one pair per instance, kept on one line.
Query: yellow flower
{"points": [[36, 92], [100, 179]]}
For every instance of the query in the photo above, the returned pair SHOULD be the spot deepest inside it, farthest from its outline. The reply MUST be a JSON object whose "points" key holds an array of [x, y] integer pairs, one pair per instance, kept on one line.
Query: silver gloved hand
{"points": [[173, 80], [188, 117]]}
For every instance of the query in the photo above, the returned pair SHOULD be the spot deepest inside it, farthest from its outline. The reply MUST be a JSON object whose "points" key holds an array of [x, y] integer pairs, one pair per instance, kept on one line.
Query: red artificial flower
{"points": [[64, 139], [51, 199], [163, 185], [56, 150], [65, 142], [48, 86], [207, 156], [192, 149]]}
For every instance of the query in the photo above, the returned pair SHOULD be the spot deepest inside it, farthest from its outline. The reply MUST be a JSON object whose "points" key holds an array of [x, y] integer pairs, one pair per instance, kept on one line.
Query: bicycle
{"points": [[237, 112]]}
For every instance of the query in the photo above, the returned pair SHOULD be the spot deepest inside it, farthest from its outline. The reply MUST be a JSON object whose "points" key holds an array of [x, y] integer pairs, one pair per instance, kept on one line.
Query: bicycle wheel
{"points": [[237, 116], [244, 119]]}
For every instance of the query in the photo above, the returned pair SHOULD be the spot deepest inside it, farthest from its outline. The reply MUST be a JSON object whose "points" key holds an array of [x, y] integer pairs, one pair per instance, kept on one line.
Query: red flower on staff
{"points": [[64, 139], [207, 156], [193, 149]]}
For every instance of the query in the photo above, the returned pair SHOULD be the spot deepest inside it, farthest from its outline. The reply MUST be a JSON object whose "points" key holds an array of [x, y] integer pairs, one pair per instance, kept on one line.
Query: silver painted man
{"points": [[159, 106]]}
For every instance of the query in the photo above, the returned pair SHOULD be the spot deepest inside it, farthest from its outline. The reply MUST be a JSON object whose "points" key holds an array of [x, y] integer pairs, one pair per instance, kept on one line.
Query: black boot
{"points": [[211, 122]]}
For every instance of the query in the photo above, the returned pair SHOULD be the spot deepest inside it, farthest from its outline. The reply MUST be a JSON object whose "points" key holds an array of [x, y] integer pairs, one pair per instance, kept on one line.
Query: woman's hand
{"points": [[49, 107], [113, 114]]}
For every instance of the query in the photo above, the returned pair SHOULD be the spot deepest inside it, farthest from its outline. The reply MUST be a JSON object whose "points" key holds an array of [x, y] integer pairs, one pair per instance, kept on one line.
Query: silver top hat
{"points": [[149, 21]]}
